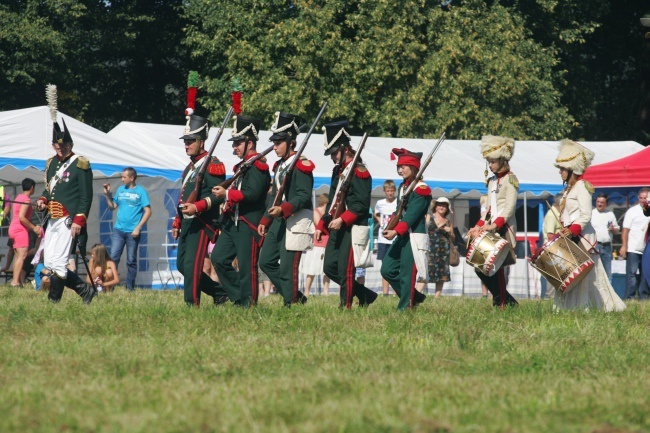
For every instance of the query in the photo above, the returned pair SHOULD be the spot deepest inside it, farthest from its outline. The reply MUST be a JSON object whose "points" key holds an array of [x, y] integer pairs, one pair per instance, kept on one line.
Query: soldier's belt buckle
{"points": [[68, 222]]}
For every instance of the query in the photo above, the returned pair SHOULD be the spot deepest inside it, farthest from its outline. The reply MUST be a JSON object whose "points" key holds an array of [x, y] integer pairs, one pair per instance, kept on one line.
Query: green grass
{"points": [[144, 362]]}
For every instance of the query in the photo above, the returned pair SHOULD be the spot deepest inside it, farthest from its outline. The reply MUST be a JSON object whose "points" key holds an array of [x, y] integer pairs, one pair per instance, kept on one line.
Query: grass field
{"points": [[144, 362]]}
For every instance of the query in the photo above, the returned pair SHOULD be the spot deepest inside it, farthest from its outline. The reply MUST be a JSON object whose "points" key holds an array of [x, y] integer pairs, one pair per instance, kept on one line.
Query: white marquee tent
{"points": [[455, 171]]}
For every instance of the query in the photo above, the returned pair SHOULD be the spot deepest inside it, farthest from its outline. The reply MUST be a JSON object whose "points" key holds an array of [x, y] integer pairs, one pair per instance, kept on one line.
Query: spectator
{"points": [[604, 222], [313, 262], [103, 269], [134, 211], [265, 287], [20, 228], [635, 224], [384, 209], [5, 210], [441, 237]]}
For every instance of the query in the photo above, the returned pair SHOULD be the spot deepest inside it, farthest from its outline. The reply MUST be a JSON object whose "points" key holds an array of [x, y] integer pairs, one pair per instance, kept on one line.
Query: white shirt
{"points": [[385, 210], [601, 221], [637, 223]]}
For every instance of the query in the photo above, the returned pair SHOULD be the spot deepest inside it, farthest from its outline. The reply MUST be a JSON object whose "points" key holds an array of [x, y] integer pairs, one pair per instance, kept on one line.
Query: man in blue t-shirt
{"points": [[133, 211]]}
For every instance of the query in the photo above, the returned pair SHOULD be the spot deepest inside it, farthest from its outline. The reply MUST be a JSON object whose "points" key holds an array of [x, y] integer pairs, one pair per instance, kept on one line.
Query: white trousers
{"points": [[56, 249]]}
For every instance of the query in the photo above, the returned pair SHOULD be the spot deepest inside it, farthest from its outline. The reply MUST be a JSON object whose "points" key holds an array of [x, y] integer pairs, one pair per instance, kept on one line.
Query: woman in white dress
{"points": [[595, 290]]}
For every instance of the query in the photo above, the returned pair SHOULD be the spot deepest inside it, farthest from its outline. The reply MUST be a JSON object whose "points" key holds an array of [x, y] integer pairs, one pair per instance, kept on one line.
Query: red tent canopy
{"points": [[631, 171]]}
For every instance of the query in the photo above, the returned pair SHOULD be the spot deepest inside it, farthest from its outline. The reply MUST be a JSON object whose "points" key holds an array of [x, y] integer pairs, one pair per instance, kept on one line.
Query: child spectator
{"points": [[103, 269], [384, 209]]}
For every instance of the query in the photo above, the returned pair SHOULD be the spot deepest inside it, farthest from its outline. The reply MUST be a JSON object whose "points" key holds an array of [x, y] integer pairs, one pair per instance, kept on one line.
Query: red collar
{"points": [[199, 156], [501, 174], [250, 155]]}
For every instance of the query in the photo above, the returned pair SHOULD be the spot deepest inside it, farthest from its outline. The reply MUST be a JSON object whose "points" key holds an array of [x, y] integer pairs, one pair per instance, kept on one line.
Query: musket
{"points": [[418, 177], [339, 201], [14, 201], [194, 195], [244, 167], [292, 166]]}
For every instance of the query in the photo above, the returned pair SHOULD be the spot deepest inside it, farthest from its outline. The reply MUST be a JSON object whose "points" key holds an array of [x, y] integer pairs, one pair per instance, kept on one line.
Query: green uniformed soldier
{"points": [[244, 209], [339, 256], [405, 264], [68, 196], [503, 188], [288, 228], [198, 224]]}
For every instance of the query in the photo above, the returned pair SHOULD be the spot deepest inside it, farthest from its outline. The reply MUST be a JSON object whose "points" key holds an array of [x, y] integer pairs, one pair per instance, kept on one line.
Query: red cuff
{"points": [[287, 209], [575, 229], [480, 223], [265, 221], [321, 225], [401, 228], [176, 224], [80, 220], [499, 222], [235, 195], [348, 217], [201, 205]]}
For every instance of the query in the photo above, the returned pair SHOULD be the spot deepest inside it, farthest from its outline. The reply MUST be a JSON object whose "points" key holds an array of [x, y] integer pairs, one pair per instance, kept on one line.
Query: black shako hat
{"points": [[245, 128], [336, 135], [197, 127], [287, 126]]}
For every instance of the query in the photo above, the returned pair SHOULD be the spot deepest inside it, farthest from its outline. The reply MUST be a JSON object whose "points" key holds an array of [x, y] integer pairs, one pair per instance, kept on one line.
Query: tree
{"points": [[112, 61], [394, 68]]}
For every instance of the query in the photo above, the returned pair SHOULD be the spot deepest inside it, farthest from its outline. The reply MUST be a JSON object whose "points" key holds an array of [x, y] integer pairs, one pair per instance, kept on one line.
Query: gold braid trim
{"points": [[584, 158], [492, 149]]}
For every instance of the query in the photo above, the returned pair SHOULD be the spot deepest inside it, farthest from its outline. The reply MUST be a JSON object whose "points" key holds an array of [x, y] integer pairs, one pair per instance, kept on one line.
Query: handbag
{"points": [[454, 255]]}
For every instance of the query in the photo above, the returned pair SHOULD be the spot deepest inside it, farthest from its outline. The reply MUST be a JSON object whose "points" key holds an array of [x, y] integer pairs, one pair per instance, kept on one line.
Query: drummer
{"points": [[503, 188], [595, 290]]}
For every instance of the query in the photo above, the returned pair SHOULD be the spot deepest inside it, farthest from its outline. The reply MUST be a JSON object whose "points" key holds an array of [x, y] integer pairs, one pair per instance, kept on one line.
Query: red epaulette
{"points": [[361, 172], [262, 166], [423, 190], [216, 168], [275, 166], [305, 165]]}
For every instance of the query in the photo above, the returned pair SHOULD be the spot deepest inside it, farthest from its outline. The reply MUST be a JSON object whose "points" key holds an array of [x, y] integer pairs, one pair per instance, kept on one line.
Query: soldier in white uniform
{"points": [[594, 291], [503, 188]]}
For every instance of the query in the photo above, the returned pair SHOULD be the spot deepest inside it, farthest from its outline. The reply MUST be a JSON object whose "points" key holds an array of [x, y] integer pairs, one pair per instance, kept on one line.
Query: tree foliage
{"points": [[394, 68], [529, 68], [112, 61]]}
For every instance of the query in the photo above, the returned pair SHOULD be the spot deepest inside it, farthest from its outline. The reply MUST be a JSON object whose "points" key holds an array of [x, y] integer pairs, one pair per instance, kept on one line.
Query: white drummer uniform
{"points": [[595, 290], [502, 204]]}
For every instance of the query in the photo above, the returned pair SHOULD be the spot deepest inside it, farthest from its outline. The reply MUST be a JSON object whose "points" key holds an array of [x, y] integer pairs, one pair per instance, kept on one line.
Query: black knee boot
{"points": [[56, 288], [85, 290]]}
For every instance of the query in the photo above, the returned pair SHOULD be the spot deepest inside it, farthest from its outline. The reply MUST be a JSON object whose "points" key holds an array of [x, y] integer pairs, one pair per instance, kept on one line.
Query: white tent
{"points": [[456, 171], [25, 140]]}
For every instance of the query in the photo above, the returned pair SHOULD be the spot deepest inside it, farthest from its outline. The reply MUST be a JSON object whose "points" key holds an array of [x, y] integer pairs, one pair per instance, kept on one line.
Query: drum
{"points": [[563, 263], [487, 252]]}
